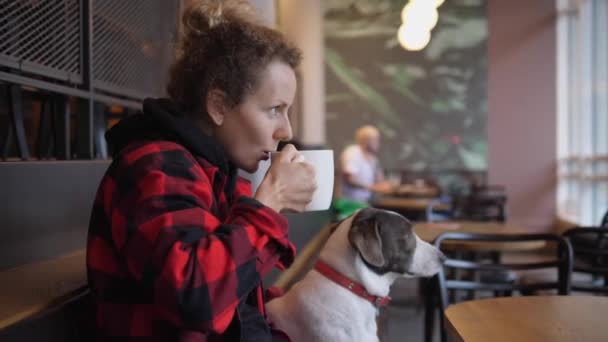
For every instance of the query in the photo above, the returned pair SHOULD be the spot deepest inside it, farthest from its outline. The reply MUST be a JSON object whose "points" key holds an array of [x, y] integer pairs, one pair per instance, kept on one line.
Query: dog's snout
{"points": [[428, 260]]}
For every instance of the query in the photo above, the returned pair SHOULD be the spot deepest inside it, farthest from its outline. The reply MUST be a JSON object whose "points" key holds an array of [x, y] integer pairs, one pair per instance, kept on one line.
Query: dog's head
{"points": [[386, 242]]}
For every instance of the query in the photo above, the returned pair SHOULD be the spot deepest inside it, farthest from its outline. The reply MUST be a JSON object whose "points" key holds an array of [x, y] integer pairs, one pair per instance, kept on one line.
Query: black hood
{"points": [[162, 119]]}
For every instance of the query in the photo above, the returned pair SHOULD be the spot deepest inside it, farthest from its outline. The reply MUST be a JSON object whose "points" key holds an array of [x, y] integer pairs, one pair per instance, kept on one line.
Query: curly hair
{"points": [[223, 47]]}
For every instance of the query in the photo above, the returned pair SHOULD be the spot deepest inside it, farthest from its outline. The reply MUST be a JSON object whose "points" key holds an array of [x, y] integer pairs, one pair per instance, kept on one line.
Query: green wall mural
{"points": [[430, 105]]}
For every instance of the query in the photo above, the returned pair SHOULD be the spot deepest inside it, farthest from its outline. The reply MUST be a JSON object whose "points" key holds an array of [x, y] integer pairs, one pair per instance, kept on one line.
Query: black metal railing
{"points": [[102, 52]]}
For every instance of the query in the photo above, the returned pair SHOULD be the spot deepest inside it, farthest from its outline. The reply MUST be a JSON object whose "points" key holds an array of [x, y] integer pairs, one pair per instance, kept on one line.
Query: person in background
{"points": [[177, 245], [360, 170]]}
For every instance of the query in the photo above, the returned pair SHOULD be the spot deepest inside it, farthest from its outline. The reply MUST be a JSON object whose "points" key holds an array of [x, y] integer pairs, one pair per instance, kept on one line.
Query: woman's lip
{"points": [[265, 156]]}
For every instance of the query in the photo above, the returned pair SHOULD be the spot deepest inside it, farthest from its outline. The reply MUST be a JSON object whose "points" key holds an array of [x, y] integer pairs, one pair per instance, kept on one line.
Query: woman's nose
{"points": [[284, 131]]}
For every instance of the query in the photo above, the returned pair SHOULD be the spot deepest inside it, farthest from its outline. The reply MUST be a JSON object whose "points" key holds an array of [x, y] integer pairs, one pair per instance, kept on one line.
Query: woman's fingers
{"points": [[288, 154], [293, 178]]}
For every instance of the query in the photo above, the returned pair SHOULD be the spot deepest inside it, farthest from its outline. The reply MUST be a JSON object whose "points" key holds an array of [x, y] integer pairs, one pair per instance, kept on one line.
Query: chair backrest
{"points": [[476, 206], [433, 214], [477, 269], [604, 222], [590, 248], [485, 203]]}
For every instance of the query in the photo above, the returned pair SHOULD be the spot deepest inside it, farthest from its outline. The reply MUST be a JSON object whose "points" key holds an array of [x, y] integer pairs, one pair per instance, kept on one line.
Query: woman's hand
{"points": [[289, 183]]}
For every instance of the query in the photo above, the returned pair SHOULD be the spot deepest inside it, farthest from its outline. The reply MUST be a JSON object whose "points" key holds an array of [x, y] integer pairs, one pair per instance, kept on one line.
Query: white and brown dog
{"points": [[338, 300]]}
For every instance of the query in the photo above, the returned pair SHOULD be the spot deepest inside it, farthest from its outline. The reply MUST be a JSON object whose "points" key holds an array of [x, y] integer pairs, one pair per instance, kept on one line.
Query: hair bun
{"points": [[202, 15]]}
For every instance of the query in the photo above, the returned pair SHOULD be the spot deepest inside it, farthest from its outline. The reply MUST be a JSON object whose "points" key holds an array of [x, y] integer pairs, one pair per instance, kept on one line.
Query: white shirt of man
{"points": [[363, 171]]}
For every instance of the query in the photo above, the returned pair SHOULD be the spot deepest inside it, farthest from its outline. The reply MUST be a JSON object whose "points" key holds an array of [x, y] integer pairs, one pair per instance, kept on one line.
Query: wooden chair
{"points": [[480, 275], [590, 247]]}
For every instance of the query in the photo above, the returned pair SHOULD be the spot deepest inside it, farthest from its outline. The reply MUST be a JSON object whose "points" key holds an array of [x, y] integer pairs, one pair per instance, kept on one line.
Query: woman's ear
{"points": [[216, 106]]}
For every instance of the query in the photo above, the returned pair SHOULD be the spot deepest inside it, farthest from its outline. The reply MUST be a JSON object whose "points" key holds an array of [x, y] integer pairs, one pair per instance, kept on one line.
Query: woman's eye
{"points": [[275, 110]]}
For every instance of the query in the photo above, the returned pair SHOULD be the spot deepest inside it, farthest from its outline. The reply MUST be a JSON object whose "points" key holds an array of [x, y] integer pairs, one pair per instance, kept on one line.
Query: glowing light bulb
{"points": [[420, 14], [435, 3], [413, 38]]}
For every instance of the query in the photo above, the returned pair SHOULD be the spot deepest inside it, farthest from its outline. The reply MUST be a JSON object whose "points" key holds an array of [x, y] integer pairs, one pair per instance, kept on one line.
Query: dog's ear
{"points": [[365, 237]]}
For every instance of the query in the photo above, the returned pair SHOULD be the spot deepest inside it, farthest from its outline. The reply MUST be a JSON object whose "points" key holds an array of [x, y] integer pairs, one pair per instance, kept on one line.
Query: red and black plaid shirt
{"points": [[170, 254]]}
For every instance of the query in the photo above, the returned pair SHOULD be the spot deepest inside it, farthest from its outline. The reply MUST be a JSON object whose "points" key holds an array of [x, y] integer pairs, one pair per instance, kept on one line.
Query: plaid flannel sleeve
{"points": [[196, 266]]}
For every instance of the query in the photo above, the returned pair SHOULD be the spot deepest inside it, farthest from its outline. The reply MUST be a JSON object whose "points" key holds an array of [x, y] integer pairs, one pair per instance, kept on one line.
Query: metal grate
{"points": [[41, 37], [132, 44]]}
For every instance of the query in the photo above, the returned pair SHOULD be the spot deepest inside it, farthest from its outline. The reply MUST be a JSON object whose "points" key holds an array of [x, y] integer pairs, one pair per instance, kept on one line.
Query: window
{"points": [[582, 88]]}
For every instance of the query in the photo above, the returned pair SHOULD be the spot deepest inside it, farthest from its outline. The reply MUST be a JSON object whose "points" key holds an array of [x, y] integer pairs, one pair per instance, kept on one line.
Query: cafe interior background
{"points": [[511, 94]]}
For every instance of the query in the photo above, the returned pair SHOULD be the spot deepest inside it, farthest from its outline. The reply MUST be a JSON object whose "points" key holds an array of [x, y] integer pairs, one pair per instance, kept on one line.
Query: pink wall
{"points": [[522, 107]]}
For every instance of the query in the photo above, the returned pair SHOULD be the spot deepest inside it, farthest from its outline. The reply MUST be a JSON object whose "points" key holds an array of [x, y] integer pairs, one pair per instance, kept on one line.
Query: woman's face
{"points": [[253, 129]]}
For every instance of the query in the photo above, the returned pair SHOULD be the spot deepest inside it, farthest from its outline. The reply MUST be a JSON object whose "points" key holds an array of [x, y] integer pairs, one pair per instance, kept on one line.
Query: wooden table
{"points": [[407, 203], [414, 208], [429, 231], [413, 190], [529, 319]]}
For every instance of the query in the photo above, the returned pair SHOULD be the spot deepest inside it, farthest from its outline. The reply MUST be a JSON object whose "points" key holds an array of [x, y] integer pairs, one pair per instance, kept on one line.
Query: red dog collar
{"points": [[352, 286]]}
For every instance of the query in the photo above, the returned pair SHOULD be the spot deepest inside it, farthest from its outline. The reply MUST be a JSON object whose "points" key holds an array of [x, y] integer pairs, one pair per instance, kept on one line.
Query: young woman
{"points": [[177, 245]]}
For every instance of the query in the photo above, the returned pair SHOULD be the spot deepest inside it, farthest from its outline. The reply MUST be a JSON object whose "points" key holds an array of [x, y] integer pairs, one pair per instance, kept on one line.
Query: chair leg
{"points": [[444, 333], [503, 293], [526, 292], [495, 257], [429, 310]]}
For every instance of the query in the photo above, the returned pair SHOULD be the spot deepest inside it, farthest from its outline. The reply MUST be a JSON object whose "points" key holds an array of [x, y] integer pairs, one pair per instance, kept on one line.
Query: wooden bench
{"points": [[46, 300], [43, 229]]}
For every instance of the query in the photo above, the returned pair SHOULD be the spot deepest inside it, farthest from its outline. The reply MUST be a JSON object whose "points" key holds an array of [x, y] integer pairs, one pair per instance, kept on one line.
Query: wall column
{"points": [[522, 109], [302, 23]]}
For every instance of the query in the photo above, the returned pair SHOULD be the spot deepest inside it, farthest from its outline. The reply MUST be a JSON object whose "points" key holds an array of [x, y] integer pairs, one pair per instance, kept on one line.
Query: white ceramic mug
{"points": [[323, 163]]}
